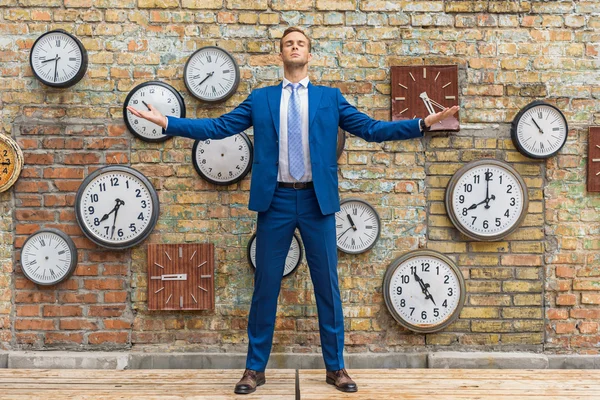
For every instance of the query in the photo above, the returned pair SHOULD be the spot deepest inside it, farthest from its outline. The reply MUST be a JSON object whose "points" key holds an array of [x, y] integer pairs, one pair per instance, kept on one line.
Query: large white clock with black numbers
{"points": [[223, 161], [211, 74], [486, 199], [58, 59], [116, 207], [292, 260], [539, 130], [159, 95], [424, 291], [48, 257], [357, 226]]}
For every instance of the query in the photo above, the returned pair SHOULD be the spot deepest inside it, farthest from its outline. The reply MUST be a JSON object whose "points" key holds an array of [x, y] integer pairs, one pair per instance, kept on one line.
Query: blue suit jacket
{"points": [[327, 110]]}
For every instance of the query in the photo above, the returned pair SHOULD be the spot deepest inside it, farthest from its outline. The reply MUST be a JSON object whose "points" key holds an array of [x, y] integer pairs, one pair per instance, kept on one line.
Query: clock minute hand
{"points": [[119, 204], [536, 124], [427, 102], [207, 76], [424, 287], [48, 60], [343, 233], [351, 222]]}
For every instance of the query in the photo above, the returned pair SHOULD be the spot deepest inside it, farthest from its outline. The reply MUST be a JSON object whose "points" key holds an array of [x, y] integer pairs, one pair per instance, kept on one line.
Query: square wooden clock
{"points": [[181, 276], [420, 90], [593, 176]]}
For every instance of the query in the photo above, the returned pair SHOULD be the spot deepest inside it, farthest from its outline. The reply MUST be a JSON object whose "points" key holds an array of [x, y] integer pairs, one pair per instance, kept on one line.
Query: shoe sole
{"points": [[251, 390], [332, 382]]}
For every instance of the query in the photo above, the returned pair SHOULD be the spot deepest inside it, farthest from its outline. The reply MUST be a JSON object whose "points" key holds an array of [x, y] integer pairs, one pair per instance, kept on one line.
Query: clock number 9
{"points": [[461, 199], [91, 210], [399, 290]]}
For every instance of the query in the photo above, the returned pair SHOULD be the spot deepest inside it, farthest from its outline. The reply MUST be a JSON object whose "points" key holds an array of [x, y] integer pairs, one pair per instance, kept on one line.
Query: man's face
{"points": [[295, 50]]}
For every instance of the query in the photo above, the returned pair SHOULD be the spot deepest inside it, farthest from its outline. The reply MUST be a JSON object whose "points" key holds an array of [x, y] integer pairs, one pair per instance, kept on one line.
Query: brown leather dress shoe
{"points": [[250, 380], [341, 380]]}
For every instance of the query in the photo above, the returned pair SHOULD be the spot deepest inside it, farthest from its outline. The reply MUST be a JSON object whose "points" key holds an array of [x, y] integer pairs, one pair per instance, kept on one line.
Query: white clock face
{"points": [[424, 291], [58, 59], [161, 96], [48, 256], [357, 226], [117, 208], [541, 131], [211, 74], [292, 259], [488, 200], [223, 161]]}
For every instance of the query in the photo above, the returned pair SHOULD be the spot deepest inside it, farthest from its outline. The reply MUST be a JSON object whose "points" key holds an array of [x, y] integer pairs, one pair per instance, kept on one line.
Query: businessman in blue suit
{"points": [[295, 185]]}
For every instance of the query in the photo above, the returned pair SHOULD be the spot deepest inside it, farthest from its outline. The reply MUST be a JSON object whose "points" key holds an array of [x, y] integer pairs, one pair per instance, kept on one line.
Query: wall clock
{"points": [[424, 291], [486, 199], [181, 276], [211, 74], [421, 90], [357, 226], [593, 178], [48, 257], [116, 207], [223, 161], [539, 130], [58, 59], [11, 162], [292, 261], [161, 96]]}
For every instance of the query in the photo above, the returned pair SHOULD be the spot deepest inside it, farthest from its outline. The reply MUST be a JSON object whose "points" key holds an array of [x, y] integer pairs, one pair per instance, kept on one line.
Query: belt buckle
{"points": [[299, 187]]}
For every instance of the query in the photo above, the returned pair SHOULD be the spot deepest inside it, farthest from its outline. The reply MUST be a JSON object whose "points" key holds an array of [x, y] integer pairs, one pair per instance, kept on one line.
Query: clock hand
{"points": [[51, 59], [351, 222], [536, 124], [424, 287], [427, 102], [343, 233], [119, 204], [207, 76], [56, 68], [147, 106], [487, 188], [474, 206], [105, 216]]}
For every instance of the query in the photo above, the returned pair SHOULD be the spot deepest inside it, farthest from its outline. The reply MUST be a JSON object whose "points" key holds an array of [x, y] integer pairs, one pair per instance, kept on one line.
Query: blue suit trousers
{"points": [[291, 209]]}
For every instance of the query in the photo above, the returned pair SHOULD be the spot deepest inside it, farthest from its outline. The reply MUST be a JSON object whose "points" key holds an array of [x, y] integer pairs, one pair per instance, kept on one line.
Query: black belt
{"points": [[295, 185]]}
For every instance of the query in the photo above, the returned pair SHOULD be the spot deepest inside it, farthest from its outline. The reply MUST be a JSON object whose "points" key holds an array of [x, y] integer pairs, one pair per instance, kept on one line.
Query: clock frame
{"points": [[292, 260], [357, 226], [593, 176], [223, 161], [181, 277], [211, 74], [420, 90], [11, 162]]}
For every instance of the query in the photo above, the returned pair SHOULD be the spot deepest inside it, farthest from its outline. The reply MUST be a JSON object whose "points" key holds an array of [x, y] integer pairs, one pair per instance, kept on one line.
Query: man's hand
{"points": [[153, 115], [442, 115]]}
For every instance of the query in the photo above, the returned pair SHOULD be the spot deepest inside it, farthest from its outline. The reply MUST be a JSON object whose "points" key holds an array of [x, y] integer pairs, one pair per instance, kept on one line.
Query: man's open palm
{"points": [[442, 115], [153, 115]]}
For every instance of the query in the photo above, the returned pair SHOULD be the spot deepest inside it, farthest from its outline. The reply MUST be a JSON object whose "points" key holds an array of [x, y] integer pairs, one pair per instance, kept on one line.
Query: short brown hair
{"points": [[290, 30]]}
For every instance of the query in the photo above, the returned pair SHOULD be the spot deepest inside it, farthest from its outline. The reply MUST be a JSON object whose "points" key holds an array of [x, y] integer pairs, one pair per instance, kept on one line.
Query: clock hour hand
{"points": [[536, 124], [424, 288], [353, 226], [427, 102], [207, 76], [56, 67], [147, 106], [171, 277], [105, 216], [50, 59]]}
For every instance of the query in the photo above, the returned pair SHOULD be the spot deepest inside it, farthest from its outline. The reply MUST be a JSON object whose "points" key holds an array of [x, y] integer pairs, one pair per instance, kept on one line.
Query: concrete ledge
{"points": [[478, 360], [135, 360]]}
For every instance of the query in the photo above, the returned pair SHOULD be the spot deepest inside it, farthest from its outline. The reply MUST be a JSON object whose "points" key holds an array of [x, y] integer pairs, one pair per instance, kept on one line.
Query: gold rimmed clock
{"points": [[421, 90], [11, 163]]}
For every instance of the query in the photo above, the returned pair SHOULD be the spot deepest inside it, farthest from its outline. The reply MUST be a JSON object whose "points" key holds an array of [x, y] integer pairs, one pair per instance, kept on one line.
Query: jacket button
{"points": [[276, 162], [276, 140]]}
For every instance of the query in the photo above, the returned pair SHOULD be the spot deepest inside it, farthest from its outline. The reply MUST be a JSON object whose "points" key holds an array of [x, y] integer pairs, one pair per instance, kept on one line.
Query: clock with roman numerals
{"points": [[357, 226], [539, 130], [48, 257], [211, 74]]}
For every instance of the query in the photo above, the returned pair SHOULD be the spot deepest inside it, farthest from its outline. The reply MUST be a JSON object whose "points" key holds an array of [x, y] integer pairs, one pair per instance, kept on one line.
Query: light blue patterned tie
{"points": [[294, 128]]}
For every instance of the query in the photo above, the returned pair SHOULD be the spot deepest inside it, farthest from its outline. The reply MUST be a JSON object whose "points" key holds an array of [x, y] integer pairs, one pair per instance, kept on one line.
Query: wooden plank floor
{"points": [[82, 384], [413, 384], [455, 384]]}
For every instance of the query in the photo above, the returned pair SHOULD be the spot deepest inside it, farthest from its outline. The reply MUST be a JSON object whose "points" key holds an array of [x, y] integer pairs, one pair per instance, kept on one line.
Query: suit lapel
{"points": [[314, 98], [274, 98]]}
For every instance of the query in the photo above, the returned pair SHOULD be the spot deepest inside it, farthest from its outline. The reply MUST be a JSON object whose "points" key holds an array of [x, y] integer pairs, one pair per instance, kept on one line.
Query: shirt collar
{"points": [[303, 82]]}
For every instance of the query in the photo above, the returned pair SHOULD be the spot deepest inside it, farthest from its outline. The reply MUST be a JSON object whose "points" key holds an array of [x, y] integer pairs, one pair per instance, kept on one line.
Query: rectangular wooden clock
{"points": [[181, 276], [593, 175], [420, 90]]}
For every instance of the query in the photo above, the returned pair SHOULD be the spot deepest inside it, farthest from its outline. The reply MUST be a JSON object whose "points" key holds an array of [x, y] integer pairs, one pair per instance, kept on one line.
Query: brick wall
{"points": [[538, 289]]}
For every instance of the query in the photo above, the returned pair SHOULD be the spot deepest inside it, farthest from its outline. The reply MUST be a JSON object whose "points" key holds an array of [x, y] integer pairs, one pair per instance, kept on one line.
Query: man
{"points": [[294, 185]]}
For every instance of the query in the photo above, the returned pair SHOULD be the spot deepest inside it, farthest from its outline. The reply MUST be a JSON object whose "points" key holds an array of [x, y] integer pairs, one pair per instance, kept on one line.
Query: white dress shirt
{"points": [[284, 165]]}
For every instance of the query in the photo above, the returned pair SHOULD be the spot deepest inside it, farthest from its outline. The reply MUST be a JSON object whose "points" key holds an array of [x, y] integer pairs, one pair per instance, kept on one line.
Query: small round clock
{"points": [[424, 291], [48, 257], [58, 59], [223, 161], [357, 226], [292, 261], [211, 74], [161, 96], [539, 130], [11, 162], [486, 199], [116, 207]]}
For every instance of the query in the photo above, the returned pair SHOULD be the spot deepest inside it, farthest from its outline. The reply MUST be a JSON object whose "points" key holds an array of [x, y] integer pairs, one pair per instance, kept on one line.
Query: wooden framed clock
{"points": [[11, 162], [181, 276], [421, 90], [593, 178]]}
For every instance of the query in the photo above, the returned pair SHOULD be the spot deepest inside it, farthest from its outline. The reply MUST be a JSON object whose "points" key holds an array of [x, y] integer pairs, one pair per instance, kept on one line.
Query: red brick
{"points": [[86, 270], [103, 284], [590, 298], [581, 313], [28, 311], [77, 324], [585, 341], [118, 269], [108, 337], [514, 259], [26, 229], [35, 215], [106, 143], [62, 338], [82, 159], [116, 157], [78, 297], [41, 130], [106, 311], [67, 215], [62, 311], [28, 200], [65, 173], [566, 299], [117, 324], [587, 327], [27, 338], [62, 143], [26, 144], [115, 297], [67, 186], [31, 187], [557, 313], [117, 130], [565, 327], [35, 297], [59, 200], [564, 271], [108, 256], [38, 159], [30, 172], [34, 324], [69, 229]]}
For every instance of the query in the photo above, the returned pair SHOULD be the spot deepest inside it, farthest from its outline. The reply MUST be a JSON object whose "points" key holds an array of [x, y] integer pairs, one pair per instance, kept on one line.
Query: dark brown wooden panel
{"points": [[593, 176]]}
